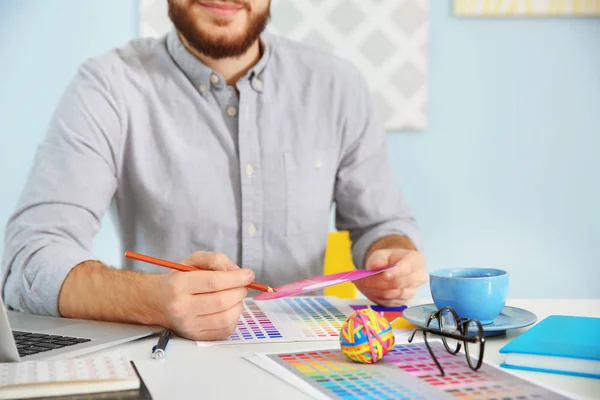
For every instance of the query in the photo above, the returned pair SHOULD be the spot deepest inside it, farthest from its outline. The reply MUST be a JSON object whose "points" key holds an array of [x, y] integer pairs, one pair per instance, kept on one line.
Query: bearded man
{"points": [[219, 144]]}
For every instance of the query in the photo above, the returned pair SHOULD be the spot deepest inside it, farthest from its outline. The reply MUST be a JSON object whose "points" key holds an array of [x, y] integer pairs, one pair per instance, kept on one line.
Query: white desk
{"points": [[220, 372]]}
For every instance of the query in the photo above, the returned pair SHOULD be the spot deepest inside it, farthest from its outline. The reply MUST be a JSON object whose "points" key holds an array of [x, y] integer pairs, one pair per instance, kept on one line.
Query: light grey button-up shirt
{"points": [[185, 164]]}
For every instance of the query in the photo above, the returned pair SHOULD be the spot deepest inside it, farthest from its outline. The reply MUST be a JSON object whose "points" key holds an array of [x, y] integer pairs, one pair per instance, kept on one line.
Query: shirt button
{"points": [[231, 111], [202, 88], [319, 164], [258, 85], [214, 79], [251, 230], [249, 170]]}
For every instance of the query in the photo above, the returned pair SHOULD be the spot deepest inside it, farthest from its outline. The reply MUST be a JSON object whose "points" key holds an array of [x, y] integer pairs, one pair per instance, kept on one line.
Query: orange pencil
{"points": [[185, 268]]}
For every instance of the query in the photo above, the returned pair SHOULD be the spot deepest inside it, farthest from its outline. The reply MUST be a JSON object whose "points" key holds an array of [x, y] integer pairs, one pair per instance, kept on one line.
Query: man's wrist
{"points": [[152, 312]]}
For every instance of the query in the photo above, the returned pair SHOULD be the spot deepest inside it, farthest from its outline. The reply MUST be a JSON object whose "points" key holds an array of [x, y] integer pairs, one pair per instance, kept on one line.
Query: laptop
{"points": [[25, 337]]}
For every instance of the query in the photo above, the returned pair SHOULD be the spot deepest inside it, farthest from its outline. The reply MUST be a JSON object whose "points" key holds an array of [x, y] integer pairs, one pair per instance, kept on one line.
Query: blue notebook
{"points": [[558, 344]]}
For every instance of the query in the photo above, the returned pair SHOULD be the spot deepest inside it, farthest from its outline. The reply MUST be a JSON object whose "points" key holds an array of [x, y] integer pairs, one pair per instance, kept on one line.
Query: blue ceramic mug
{"points": [[475, 293]]}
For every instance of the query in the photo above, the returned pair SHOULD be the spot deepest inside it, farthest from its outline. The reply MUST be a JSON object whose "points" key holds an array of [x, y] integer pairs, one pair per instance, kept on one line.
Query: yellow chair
{"points": [[338, 258]]}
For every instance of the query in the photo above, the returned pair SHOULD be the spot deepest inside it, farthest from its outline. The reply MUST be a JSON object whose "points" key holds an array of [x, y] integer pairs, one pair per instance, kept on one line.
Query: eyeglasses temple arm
{"points": [[412, 335], [433, 355], [470, 339]]}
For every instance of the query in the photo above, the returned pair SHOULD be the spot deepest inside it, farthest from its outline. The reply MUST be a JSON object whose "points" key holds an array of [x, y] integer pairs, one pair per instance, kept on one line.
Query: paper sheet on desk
{"points": [[271, 367], [327, 374], [407, 371], [292, 319]]}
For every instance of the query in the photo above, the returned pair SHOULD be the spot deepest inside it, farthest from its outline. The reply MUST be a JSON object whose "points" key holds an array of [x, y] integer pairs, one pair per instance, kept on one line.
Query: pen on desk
{"points": [[159, 350], [182, 267]]}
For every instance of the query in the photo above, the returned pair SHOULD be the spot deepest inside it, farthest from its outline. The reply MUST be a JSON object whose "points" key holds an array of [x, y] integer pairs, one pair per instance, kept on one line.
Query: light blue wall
{"points": [[504, 176], [42, 42], [508, 173]]}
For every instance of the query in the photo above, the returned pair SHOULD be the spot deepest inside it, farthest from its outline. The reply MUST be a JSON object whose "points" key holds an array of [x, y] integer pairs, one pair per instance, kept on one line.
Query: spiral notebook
{"points": [[35, 379]]}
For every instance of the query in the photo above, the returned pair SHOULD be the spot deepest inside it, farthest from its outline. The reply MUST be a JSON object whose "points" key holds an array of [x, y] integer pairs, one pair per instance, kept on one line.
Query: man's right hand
{"points": [[204, 305]]}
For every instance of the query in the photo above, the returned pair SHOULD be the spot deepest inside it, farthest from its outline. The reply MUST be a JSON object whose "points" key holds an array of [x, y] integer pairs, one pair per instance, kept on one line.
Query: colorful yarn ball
{"points": [[366, 336]]}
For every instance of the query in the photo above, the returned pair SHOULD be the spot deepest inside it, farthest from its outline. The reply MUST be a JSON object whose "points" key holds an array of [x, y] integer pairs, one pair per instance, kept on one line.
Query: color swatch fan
{"points": [[320, 282]]}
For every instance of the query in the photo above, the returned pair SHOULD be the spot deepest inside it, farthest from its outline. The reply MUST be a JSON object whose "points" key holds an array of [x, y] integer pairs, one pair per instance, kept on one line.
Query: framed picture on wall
{"points": [[527, 8]]}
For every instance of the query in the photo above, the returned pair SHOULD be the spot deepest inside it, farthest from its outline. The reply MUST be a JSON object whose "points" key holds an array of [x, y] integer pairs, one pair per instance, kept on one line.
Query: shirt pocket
{"points": [[310, 178]]}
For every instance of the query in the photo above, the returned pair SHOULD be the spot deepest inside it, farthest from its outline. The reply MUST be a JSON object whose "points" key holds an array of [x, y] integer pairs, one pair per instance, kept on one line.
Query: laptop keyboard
{"points": [[33, 343]]}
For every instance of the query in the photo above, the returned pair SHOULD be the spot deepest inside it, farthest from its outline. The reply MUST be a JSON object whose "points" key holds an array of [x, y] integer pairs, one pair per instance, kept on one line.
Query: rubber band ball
{"points": [[366, 336]]}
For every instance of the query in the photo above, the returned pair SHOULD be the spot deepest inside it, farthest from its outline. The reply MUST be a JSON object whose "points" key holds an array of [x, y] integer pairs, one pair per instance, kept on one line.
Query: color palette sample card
{"points": [[317, 283], [315, 317], [288, 320], [254, 324], [407, 372]]}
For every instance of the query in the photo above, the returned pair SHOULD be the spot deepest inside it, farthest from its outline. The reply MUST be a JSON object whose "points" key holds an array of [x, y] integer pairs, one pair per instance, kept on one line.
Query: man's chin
{"points": [[223, 37], [217, 37], [217, 32]]}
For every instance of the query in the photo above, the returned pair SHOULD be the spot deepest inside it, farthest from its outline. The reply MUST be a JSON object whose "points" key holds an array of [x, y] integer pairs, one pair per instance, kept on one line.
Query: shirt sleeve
{"points": [[70, 186], [367, 196]]}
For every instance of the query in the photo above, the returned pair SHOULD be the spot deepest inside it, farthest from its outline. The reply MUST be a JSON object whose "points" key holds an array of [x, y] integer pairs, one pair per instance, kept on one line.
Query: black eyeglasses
{"points": [[455, 331]]}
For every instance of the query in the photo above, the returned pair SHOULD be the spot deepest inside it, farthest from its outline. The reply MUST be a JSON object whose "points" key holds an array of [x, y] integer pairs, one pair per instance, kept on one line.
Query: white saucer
{"points": [[509, 318]]}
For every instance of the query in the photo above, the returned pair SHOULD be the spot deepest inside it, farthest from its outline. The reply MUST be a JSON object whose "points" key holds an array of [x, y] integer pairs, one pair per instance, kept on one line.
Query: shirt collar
{"points": [[200, 74]]}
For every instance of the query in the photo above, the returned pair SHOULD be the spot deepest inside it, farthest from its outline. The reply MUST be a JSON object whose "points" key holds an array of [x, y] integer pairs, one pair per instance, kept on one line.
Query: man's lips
{"points": [[222, 9]]}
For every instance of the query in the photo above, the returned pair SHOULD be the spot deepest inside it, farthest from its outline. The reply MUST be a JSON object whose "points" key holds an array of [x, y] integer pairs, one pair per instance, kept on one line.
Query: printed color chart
{"points": [[460, 381], [407, 372], [254, 324], [316, 317], [287, 320], [335, 376]]}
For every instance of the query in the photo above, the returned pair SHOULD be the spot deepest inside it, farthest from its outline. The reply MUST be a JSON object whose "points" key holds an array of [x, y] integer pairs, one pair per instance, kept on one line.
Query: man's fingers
{"points": [[378, 261], [414, 280], [391, 294], [212, 334], [392, 298], [223, 320], [421, 278], [212, 326], [210, 261], [411, 262], [384, 280], [377, 283], [397, 281], [408, 293], [396, 285], [405, 261], [387, 303], [210, 303], [384, 258], [215, 281]]}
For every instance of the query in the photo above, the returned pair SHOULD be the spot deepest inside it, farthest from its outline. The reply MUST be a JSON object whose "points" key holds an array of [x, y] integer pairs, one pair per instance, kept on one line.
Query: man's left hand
{"points": [[397, 285]]}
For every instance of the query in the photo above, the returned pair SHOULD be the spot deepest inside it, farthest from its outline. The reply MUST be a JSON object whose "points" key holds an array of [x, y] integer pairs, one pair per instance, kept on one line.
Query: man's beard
{"points": [[217, 47]]}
